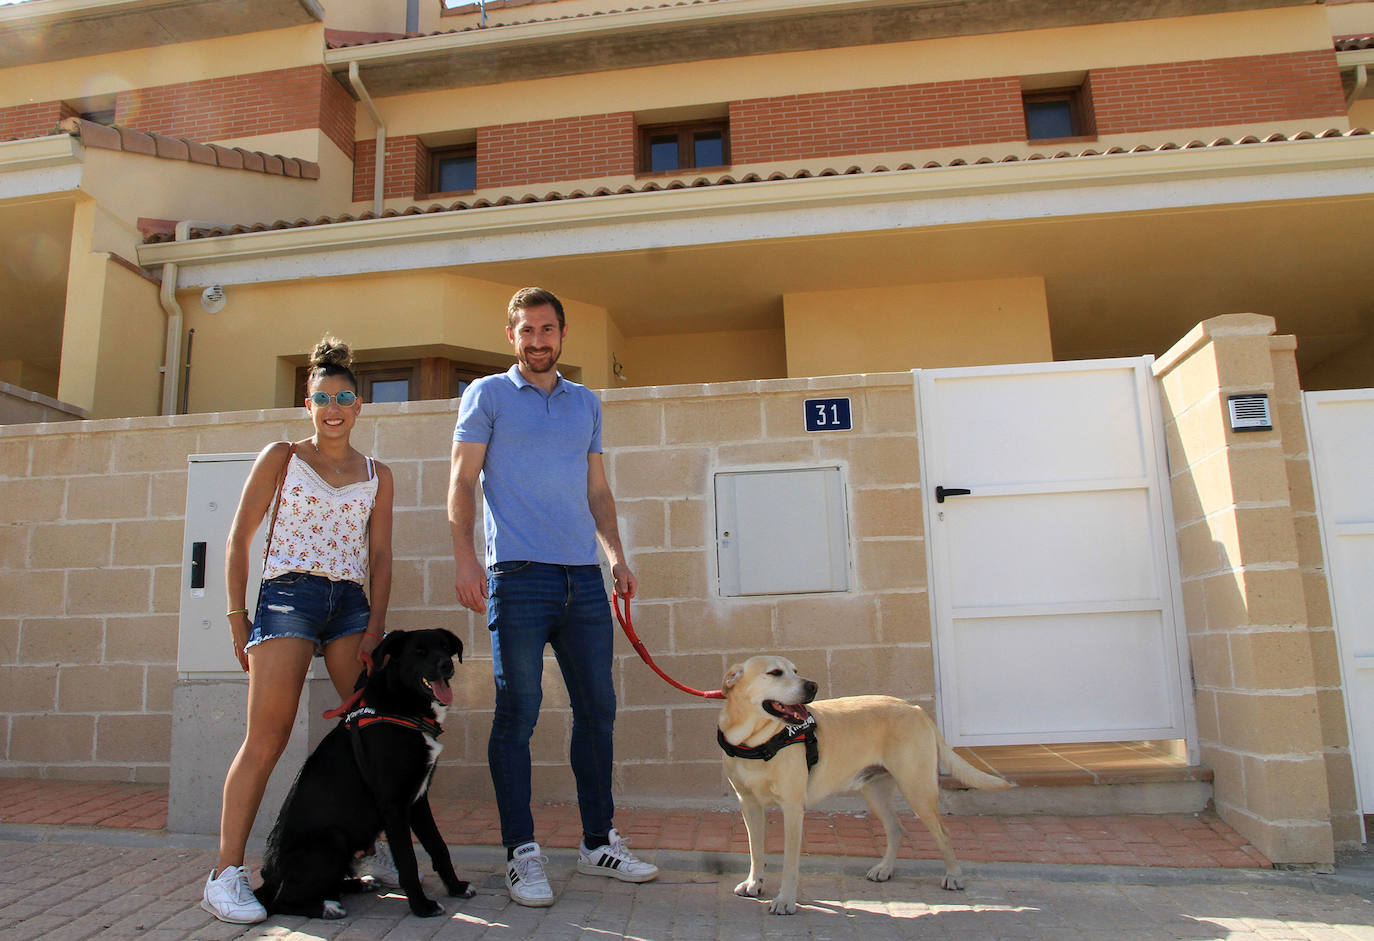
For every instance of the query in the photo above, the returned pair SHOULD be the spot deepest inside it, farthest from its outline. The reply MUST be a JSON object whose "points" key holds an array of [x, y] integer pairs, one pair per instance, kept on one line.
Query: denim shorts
{"points": [[311, 607]]}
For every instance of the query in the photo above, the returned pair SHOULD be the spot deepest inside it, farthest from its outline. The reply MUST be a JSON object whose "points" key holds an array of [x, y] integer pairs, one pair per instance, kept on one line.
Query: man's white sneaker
{"points": [[380, 866], [526, 880], [229, 898], [614, 860]]}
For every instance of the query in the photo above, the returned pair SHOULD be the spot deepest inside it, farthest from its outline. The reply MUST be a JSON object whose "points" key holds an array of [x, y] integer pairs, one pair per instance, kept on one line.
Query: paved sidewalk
{"points": [[65, 884]]}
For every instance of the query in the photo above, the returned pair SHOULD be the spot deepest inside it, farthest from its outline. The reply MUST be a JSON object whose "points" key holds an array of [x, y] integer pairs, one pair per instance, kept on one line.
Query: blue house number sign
{"points": [[828, 415]]}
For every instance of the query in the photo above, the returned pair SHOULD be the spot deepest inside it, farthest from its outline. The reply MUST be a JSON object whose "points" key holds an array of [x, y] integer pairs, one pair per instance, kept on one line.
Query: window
{"points": [[409, 380], [453, 169], [382, 382], [1055, 114], [664, 148]]}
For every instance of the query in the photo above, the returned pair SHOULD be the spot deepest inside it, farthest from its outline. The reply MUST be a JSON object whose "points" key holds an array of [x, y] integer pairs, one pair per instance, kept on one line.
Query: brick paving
{"points": [[1167, 840]]}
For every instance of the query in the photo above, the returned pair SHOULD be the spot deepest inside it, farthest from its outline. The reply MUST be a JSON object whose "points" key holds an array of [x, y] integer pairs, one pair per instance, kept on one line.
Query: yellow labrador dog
{"points": [[771, 731]]}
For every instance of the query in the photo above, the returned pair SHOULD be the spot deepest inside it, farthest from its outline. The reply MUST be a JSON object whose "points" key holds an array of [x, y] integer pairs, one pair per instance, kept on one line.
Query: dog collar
{"points": [[365, 715], [790, 735]]}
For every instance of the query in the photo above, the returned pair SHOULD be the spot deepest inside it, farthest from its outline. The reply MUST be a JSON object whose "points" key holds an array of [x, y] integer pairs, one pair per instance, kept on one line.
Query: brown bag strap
{"points": [[276, 501]]}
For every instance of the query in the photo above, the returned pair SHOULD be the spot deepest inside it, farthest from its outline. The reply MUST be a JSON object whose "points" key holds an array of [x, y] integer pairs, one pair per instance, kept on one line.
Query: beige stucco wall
{"points": [[1262, 646], [918, 326], [421, 313], [726, 356]]}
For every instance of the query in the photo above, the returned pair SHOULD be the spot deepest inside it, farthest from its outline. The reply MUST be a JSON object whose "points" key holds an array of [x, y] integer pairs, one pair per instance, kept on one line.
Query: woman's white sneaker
{"points": [[229, 898], [614, 860], [526, 880]]}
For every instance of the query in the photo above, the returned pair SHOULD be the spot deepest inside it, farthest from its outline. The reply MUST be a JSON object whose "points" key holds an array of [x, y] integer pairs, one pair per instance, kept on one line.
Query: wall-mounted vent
{"points": [[1250, 412]]}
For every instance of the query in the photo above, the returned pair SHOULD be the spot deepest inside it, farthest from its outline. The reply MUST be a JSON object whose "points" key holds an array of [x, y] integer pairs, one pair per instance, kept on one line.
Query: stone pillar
{"points": [[1258, 710]]}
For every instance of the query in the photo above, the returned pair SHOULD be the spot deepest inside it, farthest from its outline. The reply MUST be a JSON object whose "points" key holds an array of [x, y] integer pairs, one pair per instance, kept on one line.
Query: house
{"points": [[735, 198]]}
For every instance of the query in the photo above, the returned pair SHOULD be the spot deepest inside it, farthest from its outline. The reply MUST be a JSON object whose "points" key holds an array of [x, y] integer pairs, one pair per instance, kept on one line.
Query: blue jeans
{"points": [[532, 604]]}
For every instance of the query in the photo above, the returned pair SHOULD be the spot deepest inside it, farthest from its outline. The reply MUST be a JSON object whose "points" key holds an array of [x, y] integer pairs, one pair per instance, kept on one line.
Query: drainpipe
{"points": [[1361, 80], [172, 346], [356, 80], [412, 16], [171, 350]]}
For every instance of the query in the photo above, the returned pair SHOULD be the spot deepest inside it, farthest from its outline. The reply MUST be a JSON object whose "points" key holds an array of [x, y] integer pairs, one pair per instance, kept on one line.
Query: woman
{"points": [[332, 534]]}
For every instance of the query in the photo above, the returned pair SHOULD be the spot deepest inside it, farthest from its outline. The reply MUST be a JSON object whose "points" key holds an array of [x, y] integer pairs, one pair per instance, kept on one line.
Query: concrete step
{"points": [[1085, 793]]}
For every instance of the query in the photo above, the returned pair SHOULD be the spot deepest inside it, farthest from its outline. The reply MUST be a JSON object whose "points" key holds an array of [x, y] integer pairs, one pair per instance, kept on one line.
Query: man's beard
{"points": [[552, 360]]}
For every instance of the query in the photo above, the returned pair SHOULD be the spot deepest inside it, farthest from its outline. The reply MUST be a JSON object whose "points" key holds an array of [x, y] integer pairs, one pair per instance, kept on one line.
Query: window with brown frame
{"points": [[1054, 114], [664, 148], [409, 380], [453, 169]]}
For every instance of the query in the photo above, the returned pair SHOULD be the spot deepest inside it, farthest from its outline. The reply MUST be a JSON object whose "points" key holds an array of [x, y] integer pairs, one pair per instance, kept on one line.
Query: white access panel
{"points": [[1340, 428], [782, 531], [1050, 550], [213, 485]]}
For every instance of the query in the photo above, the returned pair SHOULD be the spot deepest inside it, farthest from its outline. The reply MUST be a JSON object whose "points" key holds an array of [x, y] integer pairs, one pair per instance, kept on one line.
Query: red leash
{"points": [[638, 645]]}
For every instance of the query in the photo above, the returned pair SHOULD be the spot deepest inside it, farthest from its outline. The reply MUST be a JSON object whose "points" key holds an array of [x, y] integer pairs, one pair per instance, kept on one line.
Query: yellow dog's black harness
{"points": [[790, 735]]}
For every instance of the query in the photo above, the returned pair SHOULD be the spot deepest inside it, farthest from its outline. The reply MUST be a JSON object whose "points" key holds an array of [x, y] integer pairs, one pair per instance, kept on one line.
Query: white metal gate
{"points": [[1340, 428], [1052, 565]]}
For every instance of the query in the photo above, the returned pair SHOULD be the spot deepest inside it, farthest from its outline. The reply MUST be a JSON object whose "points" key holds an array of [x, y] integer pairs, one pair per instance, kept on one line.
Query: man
{"points": [[533, 439]]}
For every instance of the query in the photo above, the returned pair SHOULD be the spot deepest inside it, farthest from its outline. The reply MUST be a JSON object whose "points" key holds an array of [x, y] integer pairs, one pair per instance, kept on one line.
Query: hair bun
{"points": [[331, 351]]}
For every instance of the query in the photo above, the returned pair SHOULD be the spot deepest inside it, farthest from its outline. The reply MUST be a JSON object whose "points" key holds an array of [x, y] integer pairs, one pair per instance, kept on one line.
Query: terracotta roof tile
{"points": [[152, 235], [1354, 43], [113, 137], [136, 142]]}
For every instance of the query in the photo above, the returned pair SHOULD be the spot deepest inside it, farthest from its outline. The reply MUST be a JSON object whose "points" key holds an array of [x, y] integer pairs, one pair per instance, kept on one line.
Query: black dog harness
{"points": [[790, 735]]}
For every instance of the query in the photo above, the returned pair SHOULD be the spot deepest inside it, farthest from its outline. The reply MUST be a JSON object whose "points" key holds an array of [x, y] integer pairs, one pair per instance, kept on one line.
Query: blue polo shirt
{"points": [[534, 479]]}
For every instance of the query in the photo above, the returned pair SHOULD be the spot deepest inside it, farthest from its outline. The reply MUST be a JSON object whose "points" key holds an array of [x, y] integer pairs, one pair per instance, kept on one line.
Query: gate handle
{"points": [[942, 492]]}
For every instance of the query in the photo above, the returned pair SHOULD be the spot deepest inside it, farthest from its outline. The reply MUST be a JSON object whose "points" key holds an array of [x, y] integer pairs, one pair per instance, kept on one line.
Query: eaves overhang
{"points": [[1330, 168], [695, 30], [1349, 60], [39, 166], [53, 30]]}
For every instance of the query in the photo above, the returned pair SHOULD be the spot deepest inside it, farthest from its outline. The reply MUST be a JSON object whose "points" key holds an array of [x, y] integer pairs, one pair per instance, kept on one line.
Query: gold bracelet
{"points": [[237, 611]]}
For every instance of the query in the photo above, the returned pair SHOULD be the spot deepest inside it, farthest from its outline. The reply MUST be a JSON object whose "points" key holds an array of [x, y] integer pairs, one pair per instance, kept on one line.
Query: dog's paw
{"points": [[953, 883], [425, 908], [880, 873], [459, 889], [783, 906], [332, 909], [750, 888]]}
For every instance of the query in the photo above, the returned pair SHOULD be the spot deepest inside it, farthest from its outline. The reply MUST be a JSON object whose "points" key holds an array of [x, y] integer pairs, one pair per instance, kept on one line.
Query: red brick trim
{"points": [[36, 119], [590, 145], [243, 106], [871, 120], [1246, 89]]}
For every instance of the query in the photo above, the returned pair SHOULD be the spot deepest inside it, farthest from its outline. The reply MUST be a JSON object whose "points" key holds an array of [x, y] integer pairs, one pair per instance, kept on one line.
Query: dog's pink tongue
{"points": [[442, 691]]}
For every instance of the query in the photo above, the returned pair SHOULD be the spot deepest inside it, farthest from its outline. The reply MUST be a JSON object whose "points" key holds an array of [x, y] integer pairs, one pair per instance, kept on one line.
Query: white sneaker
{"points": [[380, 866], [526, 880], [229, 898], [614, 860]]}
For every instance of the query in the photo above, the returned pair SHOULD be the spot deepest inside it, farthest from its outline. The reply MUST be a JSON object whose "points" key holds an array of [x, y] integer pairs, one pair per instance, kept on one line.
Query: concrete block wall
{"points": [[664, 446], [91, 568], [1255, 671], [90, 580]]}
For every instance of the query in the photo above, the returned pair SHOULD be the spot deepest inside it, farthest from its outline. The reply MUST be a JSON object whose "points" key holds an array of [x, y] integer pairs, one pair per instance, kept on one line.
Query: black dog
{"points": [[370, 773]]}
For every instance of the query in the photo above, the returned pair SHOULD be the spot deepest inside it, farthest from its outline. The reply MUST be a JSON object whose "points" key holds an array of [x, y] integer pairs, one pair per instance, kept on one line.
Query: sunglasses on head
{"points": [[345, 398]]}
